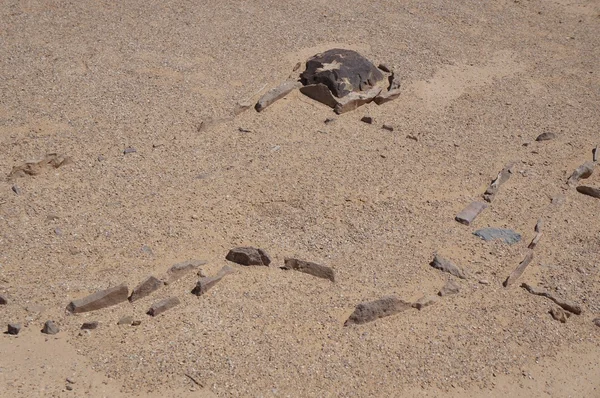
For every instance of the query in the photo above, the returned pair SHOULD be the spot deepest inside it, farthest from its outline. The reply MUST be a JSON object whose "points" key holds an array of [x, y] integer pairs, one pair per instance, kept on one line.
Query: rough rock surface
{"points": [[207, 282], [373, 310], [308, 267], [447, 266], [13, 328], [145, 288], [449, 288], [248, 256], [50, 328], [99, 300], [507, 235], [163, 305], [425, 301]]}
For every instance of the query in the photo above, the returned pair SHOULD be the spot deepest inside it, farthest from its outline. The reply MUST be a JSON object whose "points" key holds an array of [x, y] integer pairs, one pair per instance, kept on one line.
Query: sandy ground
{"points": [[481, 81]]}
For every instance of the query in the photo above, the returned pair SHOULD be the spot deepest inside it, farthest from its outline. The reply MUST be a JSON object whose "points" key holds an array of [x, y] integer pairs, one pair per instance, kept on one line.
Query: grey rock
{"points": [[50, 328], [373, 310], [559, 200], [126, 320], [89, 325], [129, 150], [582, 172], [163, 305], [590, 191], [425, 301], [16, 189], [597, 322], [179, 270], [276, 94], [3, 300], [507, 235], [14, 328], [469, 213], [449, 288], [99, 300], [447, 266], [546, 136], [310, 268], [564, 304], [145, 288], [207, 282], [248, 256]]}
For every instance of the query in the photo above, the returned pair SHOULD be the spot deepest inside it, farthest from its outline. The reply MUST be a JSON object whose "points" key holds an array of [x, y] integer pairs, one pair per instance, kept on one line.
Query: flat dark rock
{"points": [[307, 267], [248, 256], [373, 310], [99, 300], [507, 235], [590, 191], [447, 266], [146, 287], [50, 328], [161, 306], [342, 71]]}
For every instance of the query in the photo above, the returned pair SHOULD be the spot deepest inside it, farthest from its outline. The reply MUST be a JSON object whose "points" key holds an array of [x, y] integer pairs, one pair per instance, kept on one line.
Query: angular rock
{"points": [[276, 94], [99, 300], [590, 191], [564, 304], [3, 300], [373, 310], [425, 301], [14, 328], [342, 71], [519, 270], [307, 267], [51, 160], [597, 322], [447, 266], [449, 288], [507, 235], [582, 172], [207, 282], [319, 92], [503, 176], [136, 323], [163, 305], [470, 212], [546, 136], [560, 315], [355, 100], [50, 328], [387, 127], [179, 270], [248, 256], [16, 189], [89, 325], [146, 287], [386, 96], [126, 320], [367, 119]]}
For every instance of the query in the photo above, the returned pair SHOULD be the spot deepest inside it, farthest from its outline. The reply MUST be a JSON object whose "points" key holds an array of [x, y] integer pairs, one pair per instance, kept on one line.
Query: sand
{"points": [[481, 80]]}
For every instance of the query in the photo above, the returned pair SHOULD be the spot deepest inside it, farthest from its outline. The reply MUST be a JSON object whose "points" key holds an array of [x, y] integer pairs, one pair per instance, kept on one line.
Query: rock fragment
{"points": [[449, 288], [248, 256], [367, 119], [447, 266], [207, 282], [3, 300], [582, 172], [163, 305], [503, 176], [564, 304], [546, 136], [560, 315], [373, 310], [136, 323], [99, 300], [129, 150], [276, 94], [597, 322], [469, 213], [310, 268], [519, 270], [425, 301], [179, 270], [149, 285], [590, 191], [126, 320], [16, 189], [89, 325], [14, 328], [50, 328], [51, 160], [507, 235], [387, 127]]}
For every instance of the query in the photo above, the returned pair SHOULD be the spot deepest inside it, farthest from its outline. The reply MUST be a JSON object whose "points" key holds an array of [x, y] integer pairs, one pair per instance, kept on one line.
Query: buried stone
{"points": [[507, 235], [373, 310], [98, 300], [248, 256], [307, 267]]}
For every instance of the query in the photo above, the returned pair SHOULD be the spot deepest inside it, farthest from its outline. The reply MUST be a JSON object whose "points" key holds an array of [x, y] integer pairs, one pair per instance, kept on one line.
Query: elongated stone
{"points": [[447, 266], [179, 270], [99, 300], [248, 256], [207, 282], [469, 213], [425, 301], [449, 288], [564, 304], [146, 287], [307, 267], [373, 310], [590, 191], [276, 94], [163, 305]]}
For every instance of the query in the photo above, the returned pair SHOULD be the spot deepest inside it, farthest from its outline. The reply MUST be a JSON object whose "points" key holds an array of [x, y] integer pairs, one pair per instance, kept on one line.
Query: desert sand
{"points": [[480, 81]]}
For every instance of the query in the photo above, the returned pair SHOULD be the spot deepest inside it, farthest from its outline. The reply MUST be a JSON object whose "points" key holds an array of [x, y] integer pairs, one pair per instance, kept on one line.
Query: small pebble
{"points": [[126, 320], [484, 282], [387, 127], [90, 325], [367, 119], [69, 388], [16, 189], [136, 323], [70, 380], [546, 137], [129, 150]]}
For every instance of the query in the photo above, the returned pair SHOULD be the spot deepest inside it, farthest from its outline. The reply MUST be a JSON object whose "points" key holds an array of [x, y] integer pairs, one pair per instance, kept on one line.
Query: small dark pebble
{"points": [[367, 119], [384, 68], [3, 300], [412, 137], [243, 130], [69, 388], [14, 328], [129, 150], [101, 158], [136, 323], [89, 325], [329, 120], [387, 127], [16, 189]]}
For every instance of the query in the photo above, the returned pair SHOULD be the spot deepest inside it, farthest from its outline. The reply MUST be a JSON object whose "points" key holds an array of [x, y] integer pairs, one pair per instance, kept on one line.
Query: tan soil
{"points": [[481, 80]]}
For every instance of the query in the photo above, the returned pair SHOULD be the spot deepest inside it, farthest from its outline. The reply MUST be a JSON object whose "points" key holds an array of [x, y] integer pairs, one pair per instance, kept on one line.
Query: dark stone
{"points": [[329, 120], [447, 266], [248, 256], [89, 325], [546, 136], [179, 270], [50, 328], [126, 320], [597, 322], [425, 301], [470, 212], [142, 290], [449, 288], [319, 92], [99, 300], [207, 282], [590, 191], [373, 310], [387, 127], [161, 306], [16, 189], [384, 68], [3, 300], [342, 71], [14, 328], [367, 119], [307, 267], [136, 323], [507, 235]]}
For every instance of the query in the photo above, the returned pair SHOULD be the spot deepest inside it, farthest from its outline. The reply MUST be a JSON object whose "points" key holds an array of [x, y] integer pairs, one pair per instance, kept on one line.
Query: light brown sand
{"points": [[481, 80]]}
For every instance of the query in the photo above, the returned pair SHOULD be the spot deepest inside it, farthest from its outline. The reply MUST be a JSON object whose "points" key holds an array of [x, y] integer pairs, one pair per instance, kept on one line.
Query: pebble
{"points": [[69, 387], [3, 300], [590, 191], [248, 256], [367, 119], [136, 323], [560, 315], [145, 288], [425, 301], [163, 305], [16, 189], [50, 328], [469, 213], [546, 136], [447, 266], [126, 320], [276, 94], [129, 150], [207, 282], [89, 325], [597, 322], [14, 328], [387, 127], [70, 380]]}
